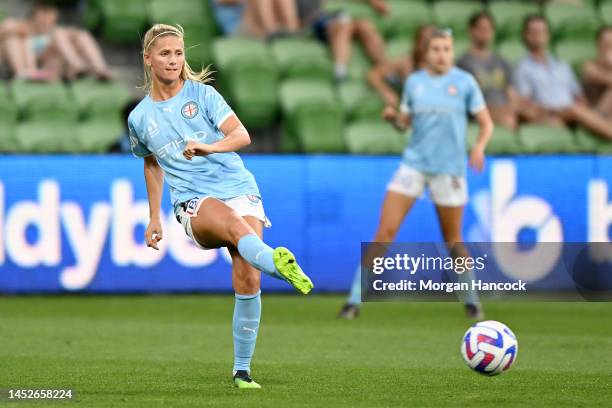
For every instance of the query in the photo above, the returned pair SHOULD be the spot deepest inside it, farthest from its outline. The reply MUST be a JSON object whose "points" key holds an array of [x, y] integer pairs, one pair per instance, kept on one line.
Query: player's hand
{"points": [[389, 113], [194, 148], [391, 99], [153, 234], [477, 159]]}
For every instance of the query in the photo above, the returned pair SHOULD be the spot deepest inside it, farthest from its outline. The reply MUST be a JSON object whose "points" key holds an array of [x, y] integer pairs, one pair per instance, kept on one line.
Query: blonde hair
{"points": [[163, 30]]}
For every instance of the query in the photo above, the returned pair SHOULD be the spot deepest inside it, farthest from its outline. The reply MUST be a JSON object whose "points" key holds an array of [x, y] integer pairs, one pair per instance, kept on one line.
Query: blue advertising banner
{"points": [[76, 223]]}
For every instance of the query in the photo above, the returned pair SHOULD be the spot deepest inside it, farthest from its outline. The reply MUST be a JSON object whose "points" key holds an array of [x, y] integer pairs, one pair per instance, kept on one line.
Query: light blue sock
{"points": [[355, 294], [258, 254], [247, 314], [469, 297]]}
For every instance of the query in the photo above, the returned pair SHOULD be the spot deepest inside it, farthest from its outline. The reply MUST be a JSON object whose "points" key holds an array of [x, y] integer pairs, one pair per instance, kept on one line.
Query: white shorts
{"points": [[244, 205], [444, 189]]}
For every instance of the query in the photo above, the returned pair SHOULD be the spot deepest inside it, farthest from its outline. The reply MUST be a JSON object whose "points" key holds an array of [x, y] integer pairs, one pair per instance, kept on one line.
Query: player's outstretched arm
{"points": [[154, 179], [485, 123], [236, 137]]}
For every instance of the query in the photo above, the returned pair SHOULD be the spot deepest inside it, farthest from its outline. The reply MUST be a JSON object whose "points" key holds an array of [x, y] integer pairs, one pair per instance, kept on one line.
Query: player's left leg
{"points": [[451, 222], [247, 311]]}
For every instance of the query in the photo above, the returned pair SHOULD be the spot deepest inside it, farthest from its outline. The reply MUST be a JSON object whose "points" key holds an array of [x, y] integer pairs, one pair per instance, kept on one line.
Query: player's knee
{"points": [[364, 26], [237, 227], [248, 281]]}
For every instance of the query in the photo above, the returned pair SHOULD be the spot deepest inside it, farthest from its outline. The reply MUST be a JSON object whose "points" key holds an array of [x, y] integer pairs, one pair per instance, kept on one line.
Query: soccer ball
{"points": [[489, 347]]}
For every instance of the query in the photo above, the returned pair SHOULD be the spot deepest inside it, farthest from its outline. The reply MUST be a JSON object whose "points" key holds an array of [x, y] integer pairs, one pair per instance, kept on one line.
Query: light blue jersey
{"points": [[439, 106], [164, 128]]}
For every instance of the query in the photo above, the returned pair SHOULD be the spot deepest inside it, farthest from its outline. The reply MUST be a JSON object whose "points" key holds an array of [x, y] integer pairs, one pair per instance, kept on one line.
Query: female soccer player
{"points": [[436, 102], [186, 132]]}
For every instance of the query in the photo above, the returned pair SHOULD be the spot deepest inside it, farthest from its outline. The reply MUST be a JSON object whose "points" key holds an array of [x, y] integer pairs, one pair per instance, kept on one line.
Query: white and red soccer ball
{"points": [[489, 347]]}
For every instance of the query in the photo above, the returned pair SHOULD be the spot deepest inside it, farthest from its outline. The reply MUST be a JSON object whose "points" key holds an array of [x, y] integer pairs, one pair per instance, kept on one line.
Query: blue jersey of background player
{"points": [[436, 102], [186, 133]]}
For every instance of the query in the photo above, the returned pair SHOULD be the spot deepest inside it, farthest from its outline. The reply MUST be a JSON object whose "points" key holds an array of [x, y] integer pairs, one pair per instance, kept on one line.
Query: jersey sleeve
{"points": [[216, 109], [138, 148], [406, 102], [475, 100]]}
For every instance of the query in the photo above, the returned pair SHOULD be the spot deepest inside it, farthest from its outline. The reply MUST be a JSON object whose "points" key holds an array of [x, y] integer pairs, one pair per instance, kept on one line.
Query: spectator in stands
{"points": [[228, 14], [24, 45], [260, 18], [338, 30], [597, 74], [39, 41], [493, 73], [550, 93], [388, 77]]}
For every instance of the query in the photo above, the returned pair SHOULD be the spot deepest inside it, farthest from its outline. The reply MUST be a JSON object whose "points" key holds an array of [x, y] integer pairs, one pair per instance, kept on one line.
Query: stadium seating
{"points": [[236, 50], [320, 128], [357, 10], [46, 137], [572, 21], [95, 99], [399, 47], [314, 117], [197, 21], [503, 141], [509, 17], [44, 101], [606, 11], [360, 63], [461, 46], [454, 14], [253, 92], [122, 21], [374, 137], [301, 58], [404, 17], [587, 142], [546, 139], [512, 50], [97, 136], [360, 101], [576, 52], [248, 78], [8, 120]]}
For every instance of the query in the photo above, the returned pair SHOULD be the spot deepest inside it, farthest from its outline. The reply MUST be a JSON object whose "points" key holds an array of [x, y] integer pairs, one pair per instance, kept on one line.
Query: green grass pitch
{"points": [[171, 351]]}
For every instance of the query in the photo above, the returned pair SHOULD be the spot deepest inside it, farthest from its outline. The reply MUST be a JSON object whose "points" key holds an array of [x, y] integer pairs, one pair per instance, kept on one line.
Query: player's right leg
{"points": [[216, 225], [395, 208]]}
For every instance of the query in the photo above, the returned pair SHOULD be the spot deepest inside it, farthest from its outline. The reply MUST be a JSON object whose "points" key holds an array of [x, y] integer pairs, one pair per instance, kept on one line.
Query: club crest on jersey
{"points": [[452, 90], [190, 110]]}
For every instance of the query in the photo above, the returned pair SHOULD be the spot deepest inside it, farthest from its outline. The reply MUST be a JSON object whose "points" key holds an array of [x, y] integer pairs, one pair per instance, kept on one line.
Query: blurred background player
{"points": [[436, 101], [492, 72], [186, 132], [550, 93], [388, 77], [597, 75]]}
